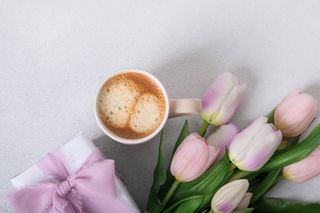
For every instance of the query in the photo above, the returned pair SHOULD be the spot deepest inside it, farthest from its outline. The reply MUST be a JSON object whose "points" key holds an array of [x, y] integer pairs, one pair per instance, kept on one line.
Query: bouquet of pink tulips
{"points": [[231, 170]]}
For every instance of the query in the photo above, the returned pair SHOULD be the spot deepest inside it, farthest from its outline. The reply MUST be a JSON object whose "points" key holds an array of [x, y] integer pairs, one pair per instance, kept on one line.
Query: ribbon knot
{"points": [[65, 187]]}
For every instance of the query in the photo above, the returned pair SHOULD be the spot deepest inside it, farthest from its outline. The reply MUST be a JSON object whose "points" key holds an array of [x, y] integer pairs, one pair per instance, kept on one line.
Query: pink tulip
{"points": [[222, 137], [295, 113], [305, 169], [254, 146], [244, 203], [192, 158], [222, 99], [229, 196]]}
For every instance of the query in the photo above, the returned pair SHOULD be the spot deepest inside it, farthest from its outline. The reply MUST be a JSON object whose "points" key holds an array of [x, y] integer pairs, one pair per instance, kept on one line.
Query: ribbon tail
{"points": [[34, 199], [65, 205]]}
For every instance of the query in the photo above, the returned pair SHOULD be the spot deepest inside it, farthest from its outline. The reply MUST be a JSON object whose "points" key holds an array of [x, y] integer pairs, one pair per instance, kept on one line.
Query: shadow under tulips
{"points": [[189, 75], [134, 164]]}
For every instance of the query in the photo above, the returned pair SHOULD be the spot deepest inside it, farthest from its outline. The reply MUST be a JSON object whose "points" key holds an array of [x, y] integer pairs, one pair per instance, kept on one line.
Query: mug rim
{"points": [[129, 141]]}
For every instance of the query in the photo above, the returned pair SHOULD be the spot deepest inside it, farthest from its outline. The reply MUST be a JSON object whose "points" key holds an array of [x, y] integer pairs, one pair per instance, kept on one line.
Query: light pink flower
{"points": [[244, 203], [222, 137], [295, 113], [192, 158], [305, 169], [229, 196], [254, 146], [222, 99]]}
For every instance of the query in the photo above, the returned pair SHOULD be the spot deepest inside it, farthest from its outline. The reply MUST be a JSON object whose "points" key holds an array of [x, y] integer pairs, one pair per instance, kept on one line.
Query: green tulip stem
{"points": [[203, 128], [169, 194], [239, 174], [232, 167], [211, 211]]}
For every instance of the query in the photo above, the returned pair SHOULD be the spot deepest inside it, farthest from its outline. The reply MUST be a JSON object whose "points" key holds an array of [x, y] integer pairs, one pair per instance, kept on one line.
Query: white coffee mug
{"points": [[174, 108]]}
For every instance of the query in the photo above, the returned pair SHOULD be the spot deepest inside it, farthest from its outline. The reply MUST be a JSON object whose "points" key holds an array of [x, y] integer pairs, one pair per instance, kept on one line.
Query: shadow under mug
{"points": [[174, 108]]}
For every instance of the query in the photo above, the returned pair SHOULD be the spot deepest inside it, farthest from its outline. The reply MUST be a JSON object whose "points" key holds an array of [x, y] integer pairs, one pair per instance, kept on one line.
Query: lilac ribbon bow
{"points": [[90, 190]]}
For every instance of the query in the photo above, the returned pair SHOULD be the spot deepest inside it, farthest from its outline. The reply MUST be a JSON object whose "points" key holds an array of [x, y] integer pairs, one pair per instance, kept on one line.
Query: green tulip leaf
{"points": [[276, 205], [265, 185], [190, 206], [170, 179], [175, 206], [159, 178], [183, 134], [207, 184]]}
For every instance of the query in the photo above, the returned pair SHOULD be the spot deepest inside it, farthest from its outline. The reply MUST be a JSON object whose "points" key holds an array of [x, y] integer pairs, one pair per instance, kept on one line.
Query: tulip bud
{"points": [[295, 113], [244, 203], [192, 158], [303, 170], [221, 100], [228, 197], [254, 146], [222, 137]]}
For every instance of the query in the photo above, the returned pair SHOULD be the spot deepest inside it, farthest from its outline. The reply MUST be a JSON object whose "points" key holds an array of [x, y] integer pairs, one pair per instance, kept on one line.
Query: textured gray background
{"points": [[55, 54]]}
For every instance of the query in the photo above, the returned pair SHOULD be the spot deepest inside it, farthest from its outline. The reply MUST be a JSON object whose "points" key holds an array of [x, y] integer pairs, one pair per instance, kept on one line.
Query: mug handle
{"points": [[181, 107]]}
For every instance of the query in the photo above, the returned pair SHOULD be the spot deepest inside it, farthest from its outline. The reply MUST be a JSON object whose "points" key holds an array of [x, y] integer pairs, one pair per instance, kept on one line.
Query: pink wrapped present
{"points": [[74, 179]]}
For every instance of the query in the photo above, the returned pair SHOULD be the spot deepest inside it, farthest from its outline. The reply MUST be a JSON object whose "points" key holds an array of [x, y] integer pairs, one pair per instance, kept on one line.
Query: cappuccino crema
{"points": [[131, 105]]}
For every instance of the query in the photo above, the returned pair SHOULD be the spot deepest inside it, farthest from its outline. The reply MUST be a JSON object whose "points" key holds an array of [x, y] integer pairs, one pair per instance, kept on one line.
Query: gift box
{"points": [[84, 165]]}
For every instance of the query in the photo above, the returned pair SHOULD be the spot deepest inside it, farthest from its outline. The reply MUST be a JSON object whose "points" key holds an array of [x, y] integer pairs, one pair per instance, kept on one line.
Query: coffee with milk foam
{"points": [[131, 105]]}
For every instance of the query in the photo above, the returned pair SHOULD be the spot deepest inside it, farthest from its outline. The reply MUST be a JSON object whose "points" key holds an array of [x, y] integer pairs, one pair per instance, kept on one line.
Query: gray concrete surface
{"points": [[55, 54]]}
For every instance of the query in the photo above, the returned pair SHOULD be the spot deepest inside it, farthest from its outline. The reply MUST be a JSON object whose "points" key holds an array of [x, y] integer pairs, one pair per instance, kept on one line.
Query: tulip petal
{"points": [[255, 145], [262, 147], [222, 137], [295, 113], [228, 197], [192, 158], [212, 156], [305, 169], [241, 142], [307, 114], [230, 105], [213, 97], [260, 153], [247, 134], [222, 96], [245, 201], [192, 153]]}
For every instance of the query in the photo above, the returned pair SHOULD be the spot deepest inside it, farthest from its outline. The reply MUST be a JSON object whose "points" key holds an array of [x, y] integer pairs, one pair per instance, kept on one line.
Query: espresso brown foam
{"points": [[142, 85]]}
